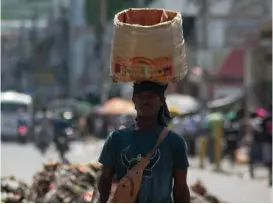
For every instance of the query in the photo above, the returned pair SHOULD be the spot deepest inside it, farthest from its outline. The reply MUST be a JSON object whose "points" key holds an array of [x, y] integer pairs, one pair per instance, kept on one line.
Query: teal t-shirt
{"points": [[124, 148]]}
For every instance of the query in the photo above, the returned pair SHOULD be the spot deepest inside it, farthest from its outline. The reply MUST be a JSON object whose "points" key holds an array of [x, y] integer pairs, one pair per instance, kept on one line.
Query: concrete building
{"points": [[22, 21], [258, 78], [54, 37], [224, 32], [16, 38]]}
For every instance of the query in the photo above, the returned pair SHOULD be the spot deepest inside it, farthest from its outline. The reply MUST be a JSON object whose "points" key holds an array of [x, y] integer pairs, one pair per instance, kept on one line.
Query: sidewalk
{"points": [[231, 186]]}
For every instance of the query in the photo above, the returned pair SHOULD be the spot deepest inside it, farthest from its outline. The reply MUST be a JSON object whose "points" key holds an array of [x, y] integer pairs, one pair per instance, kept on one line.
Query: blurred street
{"points": [[25, 160], [72, 71]]}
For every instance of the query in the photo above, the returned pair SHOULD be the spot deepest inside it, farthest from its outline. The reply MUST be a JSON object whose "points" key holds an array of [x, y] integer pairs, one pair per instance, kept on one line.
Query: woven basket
{"points": [[148, 45]]}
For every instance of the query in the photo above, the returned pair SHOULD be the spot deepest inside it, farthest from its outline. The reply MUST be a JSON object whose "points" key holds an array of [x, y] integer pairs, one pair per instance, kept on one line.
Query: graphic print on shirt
{"points": [[130, 162]]}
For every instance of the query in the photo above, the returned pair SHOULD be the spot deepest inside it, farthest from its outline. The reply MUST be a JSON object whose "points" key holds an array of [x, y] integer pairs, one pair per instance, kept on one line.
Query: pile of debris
{"points": [[199, 194], [12, 190], [59, 183]]}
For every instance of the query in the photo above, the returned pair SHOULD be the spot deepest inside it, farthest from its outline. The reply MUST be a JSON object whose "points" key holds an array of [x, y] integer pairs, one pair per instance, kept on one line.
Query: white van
{"points": [[13, 106]]}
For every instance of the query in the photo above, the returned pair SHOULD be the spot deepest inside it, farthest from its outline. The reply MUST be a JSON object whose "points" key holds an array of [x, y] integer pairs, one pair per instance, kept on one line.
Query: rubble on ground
{"points": [[199, 194], [60, 183]]}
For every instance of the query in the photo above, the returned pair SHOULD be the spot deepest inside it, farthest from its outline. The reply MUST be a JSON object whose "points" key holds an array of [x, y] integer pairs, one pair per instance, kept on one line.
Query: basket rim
{"points": [[158, 25]]}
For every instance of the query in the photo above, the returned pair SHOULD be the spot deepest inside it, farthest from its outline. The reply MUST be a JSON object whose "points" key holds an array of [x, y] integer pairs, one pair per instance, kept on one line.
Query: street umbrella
{"points": [[181, 104], [118, 106]]}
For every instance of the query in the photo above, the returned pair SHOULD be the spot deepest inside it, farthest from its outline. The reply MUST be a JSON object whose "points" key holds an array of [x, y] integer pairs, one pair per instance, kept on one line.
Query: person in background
{"points": [[61, 139], [165, 178], [44, 132], [232, 128], [24, 118], [267, 143], [190, 133], [204, 139], [254, 134]]}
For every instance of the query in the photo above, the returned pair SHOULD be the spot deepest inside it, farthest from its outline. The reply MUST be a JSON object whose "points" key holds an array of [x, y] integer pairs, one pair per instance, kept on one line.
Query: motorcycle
{"points": [[62, 140], [23, 129], [42, 138], [22, 133]]}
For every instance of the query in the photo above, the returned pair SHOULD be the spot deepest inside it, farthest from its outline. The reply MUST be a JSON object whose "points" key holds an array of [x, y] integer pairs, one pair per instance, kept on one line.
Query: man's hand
{"points": [[181, 193], [105, 183]]}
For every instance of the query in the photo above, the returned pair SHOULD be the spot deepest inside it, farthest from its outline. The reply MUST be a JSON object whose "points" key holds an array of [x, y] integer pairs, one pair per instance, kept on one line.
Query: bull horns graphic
{"points": [[124, 159]]}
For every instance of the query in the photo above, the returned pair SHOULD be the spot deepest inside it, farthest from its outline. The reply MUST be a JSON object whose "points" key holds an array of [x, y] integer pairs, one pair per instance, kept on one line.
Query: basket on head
{"points": [[148, 45]]}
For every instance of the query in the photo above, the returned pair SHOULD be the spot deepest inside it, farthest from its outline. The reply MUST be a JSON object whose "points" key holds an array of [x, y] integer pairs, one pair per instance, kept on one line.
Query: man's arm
{"points": [[107, 160], [181, 193], [105, 183]]}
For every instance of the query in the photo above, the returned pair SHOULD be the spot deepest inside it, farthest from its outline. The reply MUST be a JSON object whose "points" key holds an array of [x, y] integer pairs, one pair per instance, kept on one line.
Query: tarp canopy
{"points": [[227, 101], [118, 106], [182, 104]]}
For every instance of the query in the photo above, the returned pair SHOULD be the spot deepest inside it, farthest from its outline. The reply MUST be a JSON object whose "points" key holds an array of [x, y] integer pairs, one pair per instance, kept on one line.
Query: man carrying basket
{"points": [[149, 161]]}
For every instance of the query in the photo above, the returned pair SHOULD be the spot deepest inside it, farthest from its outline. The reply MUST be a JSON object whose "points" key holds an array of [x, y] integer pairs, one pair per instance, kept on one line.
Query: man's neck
{"points": [[146, 123]]}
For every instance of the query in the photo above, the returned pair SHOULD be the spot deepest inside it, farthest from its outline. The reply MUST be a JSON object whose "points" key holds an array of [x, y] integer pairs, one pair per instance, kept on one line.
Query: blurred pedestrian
{"points": [[44, 131], [190, 133], [267, 143], [232, 129], [204, 139], [254, 133], [61, 140]]}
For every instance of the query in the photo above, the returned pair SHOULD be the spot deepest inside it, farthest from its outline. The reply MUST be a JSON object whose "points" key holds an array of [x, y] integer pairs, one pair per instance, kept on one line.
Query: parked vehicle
{"points": [[16, 116]]}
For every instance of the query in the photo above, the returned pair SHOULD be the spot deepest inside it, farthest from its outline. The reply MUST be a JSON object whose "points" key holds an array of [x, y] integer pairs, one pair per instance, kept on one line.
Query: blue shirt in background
{"points": [[124, 148]]}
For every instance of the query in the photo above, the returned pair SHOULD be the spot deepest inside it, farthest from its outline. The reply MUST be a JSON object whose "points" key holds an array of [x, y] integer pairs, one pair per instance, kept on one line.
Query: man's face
{"points": [[147, 104]]}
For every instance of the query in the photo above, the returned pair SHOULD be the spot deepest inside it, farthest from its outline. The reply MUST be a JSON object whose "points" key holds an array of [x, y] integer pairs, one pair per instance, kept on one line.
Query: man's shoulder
{"points": [[174, 136], [121, 132]]}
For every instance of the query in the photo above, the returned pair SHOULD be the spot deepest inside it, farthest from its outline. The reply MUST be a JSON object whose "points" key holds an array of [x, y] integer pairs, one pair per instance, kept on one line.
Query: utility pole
{"points": [[34, 55], [64, 52], [204, 16], [76, 46], [203, 20], [104, 82]]}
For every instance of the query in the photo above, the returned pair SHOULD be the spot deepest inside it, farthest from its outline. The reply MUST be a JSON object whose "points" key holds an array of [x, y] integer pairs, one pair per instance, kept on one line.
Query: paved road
{"points": [[23, 160], [231, 186]]}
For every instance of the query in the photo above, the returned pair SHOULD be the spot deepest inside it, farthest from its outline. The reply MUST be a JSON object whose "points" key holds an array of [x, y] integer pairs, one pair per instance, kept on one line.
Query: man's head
{"points": [[149, 100]]}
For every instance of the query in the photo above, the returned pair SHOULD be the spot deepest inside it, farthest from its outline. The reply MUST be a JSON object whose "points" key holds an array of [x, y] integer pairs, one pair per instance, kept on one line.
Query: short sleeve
{"points": [[179, 152], [107, 153]]}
